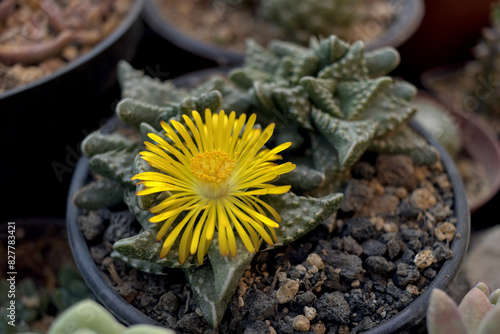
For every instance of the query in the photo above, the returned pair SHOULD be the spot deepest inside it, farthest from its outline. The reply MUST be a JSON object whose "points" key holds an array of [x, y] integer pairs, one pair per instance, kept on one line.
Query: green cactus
{"points": [[89, 317], [328, 103], [301, 19], [477, 313]]}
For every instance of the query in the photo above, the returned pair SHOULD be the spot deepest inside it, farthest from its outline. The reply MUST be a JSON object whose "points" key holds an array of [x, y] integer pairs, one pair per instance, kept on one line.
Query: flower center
{"points": [[212, 167]]}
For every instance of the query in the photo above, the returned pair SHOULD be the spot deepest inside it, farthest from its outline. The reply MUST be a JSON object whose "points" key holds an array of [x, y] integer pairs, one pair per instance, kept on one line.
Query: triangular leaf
{"points": [[144, 246], [214, 283], [294, 104], [389, 111], [329, 49], [406, 141], [321, 94], [349, 138], [258, 57], [352, 66], [302, 178], [227, 269], [98, 142], [300, 214], [116, 165], [382, 61], [99, 194], [355, 95], [134, 112]]}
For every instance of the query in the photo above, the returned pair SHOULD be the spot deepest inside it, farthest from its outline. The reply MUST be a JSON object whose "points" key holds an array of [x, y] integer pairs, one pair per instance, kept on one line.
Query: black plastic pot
{"points": [[42, 122], [408, 16], [413, 315]]}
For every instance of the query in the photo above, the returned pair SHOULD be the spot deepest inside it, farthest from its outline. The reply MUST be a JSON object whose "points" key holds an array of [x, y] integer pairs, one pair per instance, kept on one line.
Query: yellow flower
{"points": [[214, 172]]}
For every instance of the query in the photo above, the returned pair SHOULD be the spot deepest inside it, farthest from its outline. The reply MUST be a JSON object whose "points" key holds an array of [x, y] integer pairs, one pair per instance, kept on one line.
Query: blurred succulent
{"points": [[71, 288], [440, 124], [485, 71], [477, 313], [89, 317], [203, 170], [302, 19], [33, 301]]}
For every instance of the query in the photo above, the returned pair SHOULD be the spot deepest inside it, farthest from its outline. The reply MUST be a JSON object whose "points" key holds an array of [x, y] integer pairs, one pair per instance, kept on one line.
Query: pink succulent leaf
{"points": [[443, 316], [491, 322], [473, 307]]}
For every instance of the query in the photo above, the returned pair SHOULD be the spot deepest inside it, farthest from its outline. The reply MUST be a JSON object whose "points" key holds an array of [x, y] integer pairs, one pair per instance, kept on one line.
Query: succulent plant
{"points": [[328, 105], [440, 124], [89, 317], [302, 19], [334, 98], [483, 90], [477, 313]]}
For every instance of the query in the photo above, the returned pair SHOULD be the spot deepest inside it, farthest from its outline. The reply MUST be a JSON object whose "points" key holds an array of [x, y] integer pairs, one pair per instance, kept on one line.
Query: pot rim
{"points": [[132, 16], [411, 315], [406, 22]]}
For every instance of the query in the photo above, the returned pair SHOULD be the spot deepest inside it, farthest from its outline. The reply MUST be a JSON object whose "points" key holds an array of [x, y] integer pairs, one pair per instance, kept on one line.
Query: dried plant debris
{"points": [[388, 242], [40, 37]]}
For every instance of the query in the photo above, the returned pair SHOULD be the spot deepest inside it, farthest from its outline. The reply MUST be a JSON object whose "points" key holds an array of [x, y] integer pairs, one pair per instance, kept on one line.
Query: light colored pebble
{"points": [[287, 292], [319, 328], [301, 323], [445, 231], [315, 260], [310, 312], [422, 198], [412, 289], [424, 259]]}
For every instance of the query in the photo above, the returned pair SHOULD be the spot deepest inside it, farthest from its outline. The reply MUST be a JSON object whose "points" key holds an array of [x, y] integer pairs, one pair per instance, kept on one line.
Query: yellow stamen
{"points": [[214, 166]]}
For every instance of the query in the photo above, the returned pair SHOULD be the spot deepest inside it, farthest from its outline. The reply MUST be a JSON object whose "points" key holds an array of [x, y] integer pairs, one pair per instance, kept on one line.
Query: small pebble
{"points": [[287, 292], [301, 323], [319, 328], [315, 260], [300, 269], [445, 231], [412, 289], [424, 259], [423, 198], [401, 192], [281, 276], [310, 312]]}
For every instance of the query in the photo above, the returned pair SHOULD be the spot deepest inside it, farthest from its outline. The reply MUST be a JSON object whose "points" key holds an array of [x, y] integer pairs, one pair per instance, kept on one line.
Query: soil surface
{"points": [[229, 23], [357, 270], [38, 38]]}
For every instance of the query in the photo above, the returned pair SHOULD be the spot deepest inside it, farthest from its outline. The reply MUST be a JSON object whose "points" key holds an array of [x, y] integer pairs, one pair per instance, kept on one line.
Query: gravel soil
{"points": [[360, 268]]}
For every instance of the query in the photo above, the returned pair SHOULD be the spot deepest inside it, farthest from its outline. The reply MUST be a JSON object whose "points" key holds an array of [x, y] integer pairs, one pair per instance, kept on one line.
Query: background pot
{"points": [[408, 17], [43, 122], [480, 140], [480, 143], [413, 315]]}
